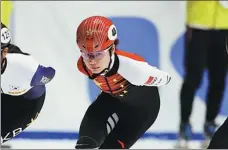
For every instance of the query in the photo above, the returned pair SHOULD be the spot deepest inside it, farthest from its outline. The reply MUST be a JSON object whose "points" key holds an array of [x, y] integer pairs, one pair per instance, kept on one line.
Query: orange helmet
{"points": [[96, 33]]}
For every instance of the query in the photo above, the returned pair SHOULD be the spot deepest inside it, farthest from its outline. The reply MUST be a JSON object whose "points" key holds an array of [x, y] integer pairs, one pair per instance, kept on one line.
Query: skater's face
{"points": [[98, 61], [3, 53]]}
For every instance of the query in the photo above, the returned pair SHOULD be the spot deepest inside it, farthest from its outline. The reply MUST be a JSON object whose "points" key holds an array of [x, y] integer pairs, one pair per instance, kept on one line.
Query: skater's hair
{"points": [[15, 49], [116, 42]]}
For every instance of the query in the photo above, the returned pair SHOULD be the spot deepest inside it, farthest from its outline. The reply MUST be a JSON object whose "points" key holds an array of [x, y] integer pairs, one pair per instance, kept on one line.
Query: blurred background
{"points": [[152, 29]]}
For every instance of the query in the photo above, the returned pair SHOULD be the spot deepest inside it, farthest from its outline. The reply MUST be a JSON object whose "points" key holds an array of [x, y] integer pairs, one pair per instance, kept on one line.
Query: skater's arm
{"points": [[40, 74], [43, 75], [138, 72]]}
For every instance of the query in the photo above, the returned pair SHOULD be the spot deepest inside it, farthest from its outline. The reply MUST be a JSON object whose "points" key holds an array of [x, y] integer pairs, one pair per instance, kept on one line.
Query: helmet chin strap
{"points": [[2, 61]]}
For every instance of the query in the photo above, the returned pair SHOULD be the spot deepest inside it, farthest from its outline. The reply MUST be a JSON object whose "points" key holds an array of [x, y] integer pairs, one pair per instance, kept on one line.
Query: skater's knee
{"points": [[193, 80], [217, 86], [86, 142]]}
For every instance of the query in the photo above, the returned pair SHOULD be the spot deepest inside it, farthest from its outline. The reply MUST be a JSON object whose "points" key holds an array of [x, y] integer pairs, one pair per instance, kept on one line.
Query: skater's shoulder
{"points": [[129, 55], [21, 62]]}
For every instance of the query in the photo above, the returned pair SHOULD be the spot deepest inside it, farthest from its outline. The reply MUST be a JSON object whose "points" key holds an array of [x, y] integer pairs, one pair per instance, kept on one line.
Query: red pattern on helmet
{"points": [[95, 33]]}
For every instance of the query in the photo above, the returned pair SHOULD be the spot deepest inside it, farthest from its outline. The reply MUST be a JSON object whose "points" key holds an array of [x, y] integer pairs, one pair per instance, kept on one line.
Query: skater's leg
{"points": [[135, 117], [196, 46], [94, 126]]}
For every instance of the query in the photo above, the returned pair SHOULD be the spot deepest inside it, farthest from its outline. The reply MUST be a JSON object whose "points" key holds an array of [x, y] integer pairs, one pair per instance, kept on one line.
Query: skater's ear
{"points": [[113, 49]]}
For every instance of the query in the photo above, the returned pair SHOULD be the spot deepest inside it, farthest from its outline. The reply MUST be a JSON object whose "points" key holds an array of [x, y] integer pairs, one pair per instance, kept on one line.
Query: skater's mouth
{"points": [[95, 68]]}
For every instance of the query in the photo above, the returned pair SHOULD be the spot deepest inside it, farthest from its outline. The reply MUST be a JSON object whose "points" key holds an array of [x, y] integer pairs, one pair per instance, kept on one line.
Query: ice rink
{"points": [[69, 144]]}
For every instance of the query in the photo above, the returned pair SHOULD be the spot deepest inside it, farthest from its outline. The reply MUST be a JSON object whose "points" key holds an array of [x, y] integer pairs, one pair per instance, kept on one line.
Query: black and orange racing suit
{"points": [[127, 106], [219, 139]]}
